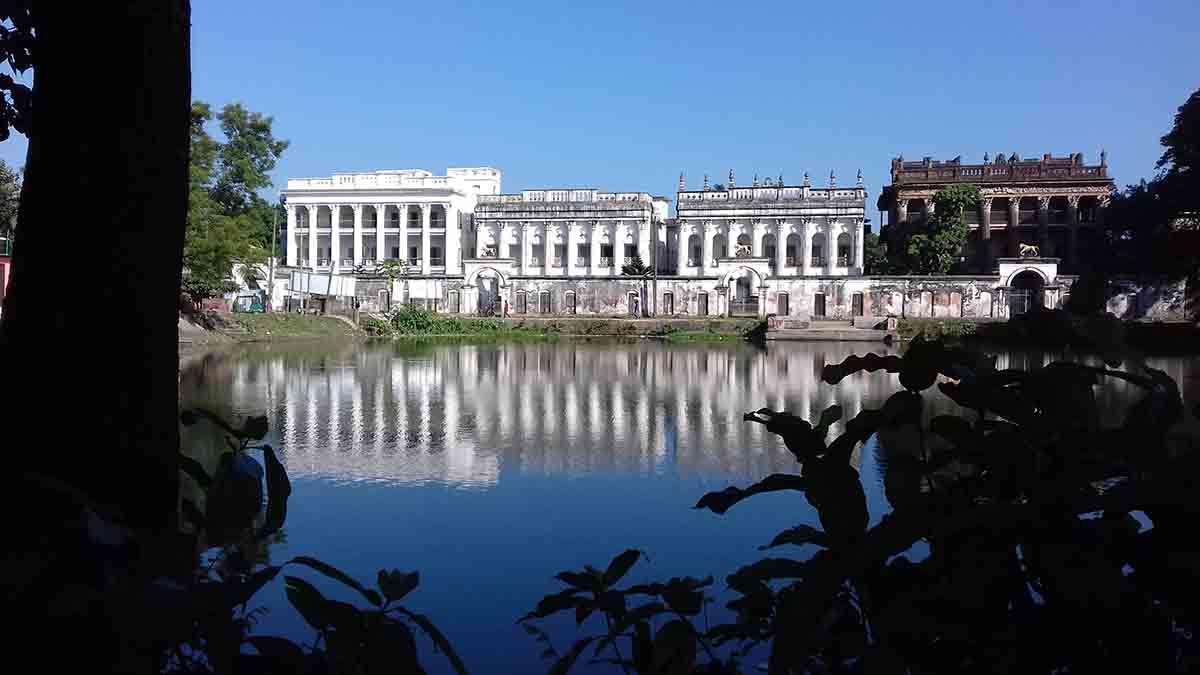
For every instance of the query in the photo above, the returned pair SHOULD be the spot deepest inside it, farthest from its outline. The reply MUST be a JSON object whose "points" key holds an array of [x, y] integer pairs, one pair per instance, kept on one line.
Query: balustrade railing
{"points": [[606, 262]]}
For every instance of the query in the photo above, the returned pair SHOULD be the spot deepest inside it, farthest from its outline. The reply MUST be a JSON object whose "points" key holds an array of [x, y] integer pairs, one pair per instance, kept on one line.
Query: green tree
{"points": [[636, 268], [228, 221], [875, 257], [936, 246], [10, 198]]}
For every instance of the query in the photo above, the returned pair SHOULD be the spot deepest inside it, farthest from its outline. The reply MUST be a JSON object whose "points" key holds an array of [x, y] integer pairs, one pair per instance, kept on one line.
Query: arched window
{"points": [[544, 305], [668, 303], [569, 302], [414, 218], [818, 250], [395, 221], [454, 302], [793, 251], [843, 250], [720, 247], [744, 248], [694, 251], [782, 307], [768, 248], [521, 304]]}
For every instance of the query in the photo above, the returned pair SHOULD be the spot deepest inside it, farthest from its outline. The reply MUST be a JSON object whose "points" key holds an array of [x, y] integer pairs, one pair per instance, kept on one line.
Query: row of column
{"points": [[574, 234], [1014, 216], [711, 230], [451, 253]]}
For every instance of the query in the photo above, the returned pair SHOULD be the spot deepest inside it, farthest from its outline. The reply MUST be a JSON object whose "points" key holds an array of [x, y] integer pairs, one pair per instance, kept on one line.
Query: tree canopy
{"points": [[228, 221], [10, 197], [929, 246]]}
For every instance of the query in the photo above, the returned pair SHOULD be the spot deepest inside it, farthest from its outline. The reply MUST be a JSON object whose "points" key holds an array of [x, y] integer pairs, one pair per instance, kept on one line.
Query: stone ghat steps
{"points": [[823, 331]]}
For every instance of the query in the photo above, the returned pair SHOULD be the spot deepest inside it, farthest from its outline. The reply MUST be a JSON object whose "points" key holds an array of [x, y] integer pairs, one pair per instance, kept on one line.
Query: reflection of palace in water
{"points": [[462, 415]]}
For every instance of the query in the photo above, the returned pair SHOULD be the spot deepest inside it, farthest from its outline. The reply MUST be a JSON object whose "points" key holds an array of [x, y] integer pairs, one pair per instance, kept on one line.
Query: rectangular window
{"points": [[454, 304], [631, 251], [560, 250], [520, 308], [702, 304], [569, 299], [819, 305], [856, 304], [435, 256], [544, 301], [782, 309], [606, 251], [668, 303], [581, 254], [538, 251]]}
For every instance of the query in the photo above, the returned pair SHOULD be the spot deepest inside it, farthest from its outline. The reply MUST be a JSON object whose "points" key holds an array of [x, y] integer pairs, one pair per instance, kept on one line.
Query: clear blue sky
{"points": [[625, 95]]}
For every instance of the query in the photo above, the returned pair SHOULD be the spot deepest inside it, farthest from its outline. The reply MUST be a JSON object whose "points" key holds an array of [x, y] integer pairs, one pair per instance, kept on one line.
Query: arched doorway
{"points": [[1025, 292], [488, 283], [743, 285]]}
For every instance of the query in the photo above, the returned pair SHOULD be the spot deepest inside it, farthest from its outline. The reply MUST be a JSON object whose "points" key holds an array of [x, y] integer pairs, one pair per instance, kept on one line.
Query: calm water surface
{"points": [[489, 468]]}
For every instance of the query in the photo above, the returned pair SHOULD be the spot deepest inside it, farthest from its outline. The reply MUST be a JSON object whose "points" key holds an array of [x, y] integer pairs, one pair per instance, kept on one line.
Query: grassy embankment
{"points": [[409, 322], [282, 326]]}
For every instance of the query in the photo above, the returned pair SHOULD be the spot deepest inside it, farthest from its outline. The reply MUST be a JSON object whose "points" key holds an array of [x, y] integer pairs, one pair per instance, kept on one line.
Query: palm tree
{"points": [[636, 268]]}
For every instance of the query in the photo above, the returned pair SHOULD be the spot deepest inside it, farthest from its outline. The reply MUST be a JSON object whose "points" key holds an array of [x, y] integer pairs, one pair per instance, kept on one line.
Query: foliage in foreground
{"points": [[910, 328], [1028, 504], [200, 619]]}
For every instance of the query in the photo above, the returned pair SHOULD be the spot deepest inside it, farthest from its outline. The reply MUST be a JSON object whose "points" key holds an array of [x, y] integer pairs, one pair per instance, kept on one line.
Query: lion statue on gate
{"points": [[743, 251], [1029, 251]]}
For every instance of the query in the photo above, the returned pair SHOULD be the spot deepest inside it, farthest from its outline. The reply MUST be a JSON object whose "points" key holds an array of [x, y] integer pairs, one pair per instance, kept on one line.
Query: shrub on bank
{"points": [[936, 329]]}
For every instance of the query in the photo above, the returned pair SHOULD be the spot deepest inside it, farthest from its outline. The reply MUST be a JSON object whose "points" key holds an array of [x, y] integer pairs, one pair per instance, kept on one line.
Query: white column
{"points": [[426, 236], [571, 245], [757, 232], [731, 230], [403, 208], [547, 246], [780, 248], [453, 241], [358, 234], [594, 238], [706, 247], [292, 236], [335, 237], [618, 238], [380, 240], [526, 248], [831, 247], [644, 241], [313, 212], [858, 245], [681, 253], [806, 237]]}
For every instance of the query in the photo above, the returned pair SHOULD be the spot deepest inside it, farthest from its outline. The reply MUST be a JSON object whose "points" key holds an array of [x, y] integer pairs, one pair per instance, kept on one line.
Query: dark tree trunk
{"points": [[89, 338]]}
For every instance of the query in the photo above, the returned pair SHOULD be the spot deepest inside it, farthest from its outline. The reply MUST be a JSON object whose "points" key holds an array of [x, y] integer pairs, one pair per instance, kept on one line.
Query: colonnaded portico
{"points": [[1054, 203]]}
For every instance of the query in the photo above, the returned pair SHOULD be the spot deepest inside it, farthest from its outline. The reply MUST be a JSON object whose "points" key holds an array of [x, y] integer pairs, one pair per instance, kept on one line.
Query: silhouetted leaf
{"points": [[285, 655], [389, 647], [720, 502], [767, 569], [631, 618], [563, 665], [240, 594], [338, 575], [552, 604], [620, 565], [439, 640], [675, 648], [308, 601], [396, 584], [857, 364], [279, 489], [193, 468], [799, 535], [254, 428], [588, 580]]}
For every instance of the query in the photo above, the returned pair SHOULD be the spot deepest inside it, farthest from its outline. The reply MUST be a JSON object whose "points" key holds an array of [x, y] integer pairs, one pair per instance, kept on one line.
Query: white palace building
{"points": [[469, 248]]}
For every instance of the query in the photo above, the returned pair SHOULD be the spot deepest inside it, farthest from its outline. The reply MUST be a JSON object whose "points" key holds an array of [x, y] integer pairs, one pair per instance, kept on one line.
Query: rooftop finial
{"points": [[860, 178], [755, 180], [706, 182], [780, 184], [732, 183], [986, 158], [807, 182], [832, 179], [681, 182], [1103, 157]]}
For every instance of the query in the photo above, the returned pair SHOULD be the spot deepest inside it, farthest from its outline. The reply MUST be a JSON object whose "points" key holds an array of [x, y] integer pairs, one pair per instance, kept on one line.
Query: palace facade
{"points": [[1054, 203]]}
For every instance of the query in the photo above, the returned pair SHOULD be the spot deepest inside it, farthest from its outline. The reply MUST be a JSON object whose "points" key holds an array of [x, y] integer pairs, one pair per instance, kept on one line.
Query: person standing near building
{"points": [[506, 309]]}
